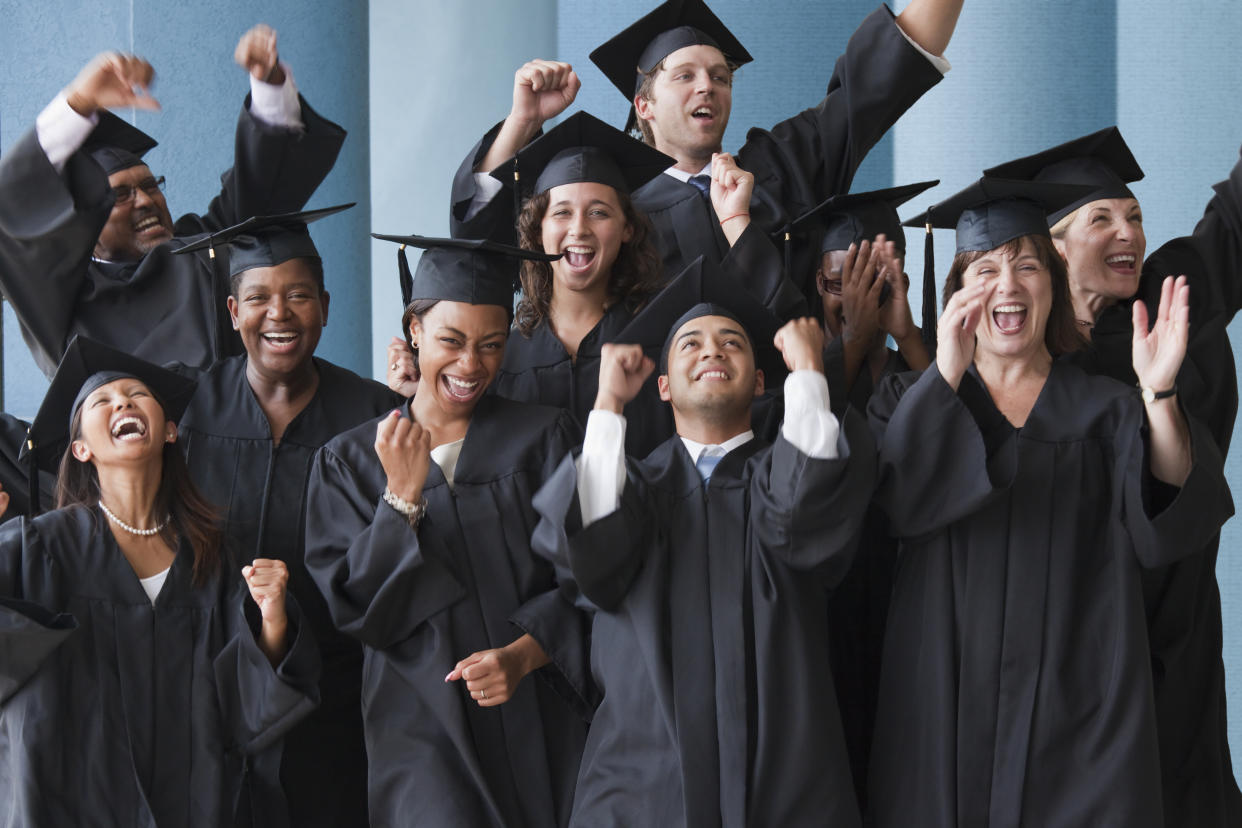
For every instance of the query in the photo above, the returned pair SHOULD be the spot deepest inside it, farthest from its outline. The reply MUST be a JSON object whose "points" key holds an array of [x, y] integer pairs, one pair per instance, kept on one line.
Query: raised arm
{"points": [[542, 89], [1158, 355], [930, 23]]}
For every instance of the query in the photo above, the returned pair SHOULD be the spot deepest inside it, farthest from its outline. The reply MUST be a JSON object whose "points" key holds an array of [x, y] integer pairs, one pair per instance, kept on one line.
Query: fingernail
{"points": [[449, 676]]}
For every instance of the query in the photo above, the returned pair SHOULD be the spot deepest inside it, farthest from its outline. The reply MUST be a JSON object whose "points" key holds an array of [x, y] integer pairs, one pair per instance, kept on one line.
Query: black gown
{"points": [[709, 642], [14, 471], [260, 487], [1016, 679], [420, 601], [114, 712], [164, 308], [797, 164], [1183, 600], [538, 369]]}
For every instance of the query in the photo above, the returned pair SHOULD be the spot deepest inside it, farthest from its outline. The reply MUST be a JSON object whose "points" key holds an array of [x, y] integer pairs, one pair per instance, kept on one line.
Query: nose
{"points": [[469, 360], [1007, 279], [277, 307], [703, 81], [142, 198], [578, 224]]}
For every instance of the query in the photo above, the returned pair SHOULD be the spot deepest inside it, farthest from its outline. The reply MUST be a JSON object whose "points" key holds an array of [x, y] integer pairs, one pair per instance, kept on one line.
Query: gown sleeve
{"points": [[259, 703], [807, 511], [494, 220], [31, 626], [941, 454], [378, 581]]}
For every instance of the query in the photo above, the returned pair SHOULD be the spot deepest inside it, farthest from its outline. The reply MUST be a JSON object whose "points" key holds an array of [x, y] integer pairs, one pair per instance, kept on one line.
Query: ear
{"points": [[416, 331], [1059, 244], [758, 382], [80, 451], [662, 386], [324, 298], [232, 303], [628, 233], [644, 108], [170, 432]]}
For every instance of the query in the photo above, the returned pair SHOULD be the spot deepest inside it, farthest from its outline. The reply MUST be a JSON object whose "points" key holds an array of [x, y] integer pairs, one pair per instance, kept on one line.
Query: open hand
{"points": [[955, 333], [1158, 353], [110, 81]]}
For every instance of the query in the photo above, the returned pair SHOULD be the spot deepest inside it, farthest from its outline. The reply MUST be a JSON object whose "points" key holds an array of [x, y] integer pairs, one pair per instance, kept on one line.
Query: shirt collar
{"points": [[696, 448]]}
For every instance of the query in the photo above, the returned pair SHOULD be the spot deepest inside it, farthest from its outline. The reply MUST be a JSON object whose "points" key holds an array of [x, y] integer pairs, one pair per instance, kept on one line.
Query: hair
{"points": [[192, 515], [313, 263], [636, 275], [646, 91], [417, 309], [1061, 335], [1062, 227]]}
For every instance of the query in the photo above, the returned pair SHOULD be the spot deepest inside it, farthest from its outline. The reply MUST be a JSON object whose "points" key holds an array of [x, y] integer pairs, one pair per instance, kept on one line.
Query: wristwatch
{"points": [[1150, 395], [413, 512]]}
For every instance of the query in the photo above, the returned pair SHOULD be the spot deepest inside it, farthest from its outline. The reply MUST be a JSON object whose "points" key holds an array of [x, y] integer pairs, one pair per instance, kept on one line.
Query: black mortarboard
{"points": [[265, 241], [707, 289], [474, 271], [855, 217], [584, 148], [1101, 160], [986, 215], [672, 25], [116, 144], [87, 365]]}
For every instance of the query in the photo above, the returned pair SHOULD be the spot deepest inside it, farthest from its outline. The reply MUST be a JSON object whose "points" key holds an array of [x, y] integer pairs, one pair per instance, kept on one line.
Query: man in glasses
{"points": [[86, 236]]}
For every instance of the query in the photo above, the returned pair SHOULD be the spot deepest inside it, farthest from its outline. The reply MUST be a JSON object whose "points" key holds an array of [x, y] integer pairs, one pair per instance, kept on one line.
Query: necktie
{"points": [[709, 458], [703, 183]]}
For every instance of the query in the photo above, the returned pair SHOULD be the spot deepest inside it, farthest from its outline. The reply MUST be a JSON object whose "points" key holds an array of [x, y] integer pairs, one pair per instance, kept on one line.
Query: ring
{"points": [[394, 367], [483, 694]]}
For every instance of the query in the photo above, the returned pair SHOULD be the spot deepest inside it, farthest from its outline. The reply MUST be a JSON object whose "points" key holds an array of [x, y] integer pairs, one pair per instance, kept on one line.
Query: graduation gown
{"points": [[709, 642], [14, 471], [164, 308], [1016, 680], [115, 712], [538, 369], [797, 163], [422, 600], [260, 486], [1183, 600]]}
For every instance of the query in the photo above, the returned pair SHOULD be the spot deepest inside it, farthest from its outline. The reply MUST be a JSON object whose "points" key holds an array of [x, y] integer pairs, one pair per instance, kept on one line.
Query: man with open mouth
{"points": [[85, 232]]}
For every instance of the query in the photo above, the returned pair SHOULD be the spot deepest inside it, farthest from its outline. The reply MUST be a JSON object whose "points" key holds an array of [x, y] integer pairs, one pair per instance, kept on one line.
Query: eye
{"points": [[1099, 217], [601, 213], [256, 298], [450, 341], [491, 346], [682, 76], [98, 401], [688, 343]]}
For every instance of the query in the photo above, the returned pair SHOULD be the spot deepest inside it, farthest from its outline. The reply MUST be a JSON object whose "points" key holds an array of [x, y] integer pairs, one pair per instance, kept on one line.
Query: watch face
{"points": [[1149, 395]]}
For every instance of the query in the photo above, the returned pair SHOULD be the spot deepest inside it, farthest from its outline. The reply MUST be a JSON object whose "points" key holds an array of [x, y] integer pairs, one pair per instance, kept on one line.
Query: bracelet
{"points": [[413, 512], [1150, 394], [732, 217]]}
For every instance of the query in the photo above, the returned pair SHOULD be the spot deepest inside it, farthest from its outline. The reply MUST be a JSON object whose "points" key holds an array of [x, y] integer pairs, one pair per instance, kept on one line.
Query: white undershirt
{"points": [[446, 455], [61, 130], [154, 584]]}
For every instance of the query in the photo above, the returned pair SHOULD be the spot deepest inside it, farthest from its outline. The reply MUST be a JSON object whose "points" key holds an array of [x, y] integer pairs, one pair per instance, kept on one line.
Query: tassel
{"points": [[929, 290], [406, 278], [789, 255], [517, 200], [32, 478]]}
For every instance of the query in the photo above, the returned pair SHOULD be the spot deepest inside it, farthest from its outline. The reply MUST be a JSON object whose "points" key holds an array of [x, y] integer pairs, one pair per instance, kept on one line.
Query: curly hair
{"points": [[1061, 334], [636, 275]]}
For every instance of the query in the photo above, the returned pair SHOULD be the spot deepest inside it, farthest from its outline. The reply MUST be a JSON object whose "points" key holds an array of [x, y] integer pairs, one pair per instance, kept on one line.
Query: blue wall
{"points": [[201, 90]]}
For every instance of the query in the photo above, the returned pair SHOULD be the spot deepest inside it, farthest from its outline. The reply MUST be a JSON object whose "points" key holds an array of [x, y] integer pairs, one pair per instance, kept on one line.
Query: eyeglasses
{"points": [[125, 193]]}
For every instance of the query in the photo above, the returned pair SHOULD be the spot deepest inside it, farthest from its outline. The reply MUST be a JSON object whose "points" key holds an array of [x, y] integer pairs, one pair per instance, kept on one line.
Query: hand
{"points": [[267, 580], [112, 80], [730, 192], [1158, 353], [955, 333], [622, 371], [404, 450], [256, 53], [402, 368], [493, 675], [860, 292], [801, 343], [543, 89], [895, 318]]}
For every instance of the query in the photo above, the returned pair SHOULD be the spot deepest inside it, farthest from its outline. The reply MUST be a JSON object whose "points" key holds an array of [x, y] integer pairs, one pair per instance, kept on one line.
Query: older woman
{"points": [[1016, 686], [418, 534], [137, 676], [1100, 235]]}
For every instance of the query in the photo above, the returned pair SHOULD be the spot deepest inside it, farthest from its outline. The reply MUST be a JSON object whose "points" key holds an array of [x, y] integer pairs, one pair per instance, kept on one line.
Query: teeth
{"points": [[128, 427], [281, 337], [713, 375], [702, 110], [573, 248], [1010, 308], [1126, 258], [148, 222], [461, 384]]}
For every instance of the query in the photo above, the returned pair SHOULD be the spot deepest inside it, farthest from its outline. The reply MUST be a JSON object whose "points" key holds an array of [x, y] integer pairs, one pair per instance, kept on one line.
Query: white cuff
{"points": [[277, 105], [810, 426], [601, 466], [61, 130], [485, 189], [941, 64]]}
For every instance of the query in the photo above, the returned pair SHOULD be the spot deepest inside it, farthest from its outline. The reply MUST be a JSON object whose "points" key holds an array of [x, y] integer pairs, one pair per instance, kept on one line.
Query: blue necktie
{"points": [[709, 458], [703, 183]]}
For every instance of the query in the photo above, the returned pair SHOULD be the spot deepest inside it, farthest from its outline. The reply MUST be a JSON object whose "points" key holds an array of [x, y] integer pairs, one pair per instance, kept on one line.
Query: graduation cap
{"points": [[474, 271], [707, 289], [86, 366], [116, 144], [265, 241], [672, 25], [583, 148], [1101, 160], [986, 215]]}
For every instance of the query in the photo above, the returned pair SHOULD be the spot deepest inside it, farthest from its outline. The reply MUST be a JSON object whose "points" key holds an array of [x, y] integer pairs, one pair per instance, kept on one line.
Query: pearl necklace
{"points": [[144, 532]]}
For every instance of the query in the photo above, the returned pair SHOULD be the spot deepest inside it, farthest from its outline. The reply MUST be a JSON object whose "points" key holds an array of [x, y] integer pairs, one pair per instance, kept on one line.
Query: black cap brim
{"points": [[256, 224], [852, 217], [116, 144]]}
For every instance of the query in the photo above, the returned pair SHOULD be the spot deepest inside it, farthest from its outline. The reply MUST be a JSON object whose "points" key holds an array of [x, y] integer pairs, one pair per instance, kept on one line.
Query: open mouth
{"points": [[460, 390], [703, 115], [149, 225], [129, 429], [1009, 318], [713, 375], [281, 340], [1122, 263], [578, 257]]}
